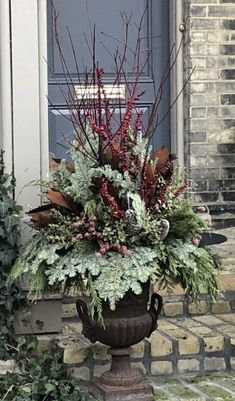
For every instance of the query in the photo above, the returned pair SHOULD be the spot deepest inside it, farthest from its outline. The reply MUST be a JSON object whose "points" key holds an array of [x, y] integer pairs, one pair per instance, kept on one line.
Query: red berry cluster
{"points": [[110, 200], [105, 247], [86, 229]]}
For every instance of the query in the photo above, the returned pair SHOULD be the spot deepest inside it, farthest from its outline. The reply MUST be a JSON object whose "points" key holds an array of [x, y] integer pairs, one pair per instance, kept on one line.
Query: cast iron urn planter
{"points": [[129, 324]]}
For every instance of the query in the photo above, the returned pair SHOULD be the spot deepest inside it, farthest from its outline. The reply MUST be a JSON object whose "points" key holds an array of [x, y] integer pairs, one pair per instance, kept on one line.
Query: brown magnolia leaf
{"points": [[58, 199], [161, 156], [41, 216], [150, 173]]}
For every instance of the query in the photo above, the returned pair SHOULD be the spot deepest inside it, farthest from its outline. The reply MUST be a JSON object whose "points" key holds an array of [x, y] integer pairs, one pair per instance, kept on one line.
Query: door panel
{"points": [[80, 16]]}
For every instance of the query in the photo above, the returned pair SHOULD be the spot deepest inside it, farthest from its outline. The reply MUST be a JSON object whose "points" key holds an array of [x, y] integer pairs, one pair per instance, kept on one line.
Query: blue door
{"points": [[79, 16]]}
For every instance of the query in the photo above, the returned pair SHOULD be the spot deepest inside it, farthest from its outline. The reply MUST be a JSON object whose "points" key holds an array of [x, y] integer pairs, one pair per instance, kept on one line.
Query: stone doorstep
{"points": [[179, 347]]}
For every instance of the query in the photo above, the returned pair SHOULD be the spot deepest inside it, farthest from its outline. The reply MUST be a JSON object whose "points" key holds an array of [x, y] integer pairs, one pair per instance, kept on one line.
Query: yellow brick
{"points": [[173, 309], [161, 368], [214, 364], [232, 361], [232, 341], [75, 353], [81, 373], [69, 310], [43, 343], [221, 307], [213, 344], [189, 345], [70, 328], [138, 350], [199, 308], [100, 369], [7, 366], [139, 366], [160, 345], [188, 365], [100, 351]]}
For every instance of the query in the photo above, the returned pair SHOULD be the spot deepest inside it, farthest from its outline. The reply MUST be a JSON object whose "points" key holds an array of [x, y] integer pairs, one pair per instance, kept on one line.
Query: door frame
{"points": [[24, 85]]}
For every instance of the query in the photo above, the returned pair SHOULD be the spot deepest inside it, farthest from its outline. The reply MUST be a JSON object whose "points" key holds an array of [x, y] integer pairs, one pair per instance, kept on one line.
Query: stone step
{"points": [[179, 347], [223, 220]]}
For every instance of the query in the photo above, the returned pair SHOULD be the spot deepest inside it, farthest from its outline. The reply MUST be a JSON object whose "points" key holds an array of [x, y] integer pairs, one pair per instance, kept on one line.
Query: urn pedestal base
{"points": [[139, 392], [121, 383]]}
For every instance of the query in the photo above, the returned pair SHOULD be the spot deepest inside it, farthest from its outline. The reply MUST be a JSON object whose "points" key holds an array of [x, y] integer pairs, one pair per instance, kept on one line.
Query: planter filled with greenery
{"points": [[115, 220]]}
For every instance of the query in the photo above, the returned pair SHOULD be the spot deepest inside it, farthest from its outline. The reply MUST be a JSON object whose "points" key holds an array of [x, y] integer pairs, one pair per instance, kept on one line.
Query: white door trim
{"points": [[177, 82], [23, 94], [6, 134]]}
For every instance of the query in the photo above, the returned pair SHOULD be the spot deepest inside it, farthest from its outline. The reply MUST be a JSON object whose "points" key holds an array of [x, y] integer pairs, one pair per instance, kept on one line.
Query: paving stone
{"points": [[161, 395], [187, 323], [229, 317], [208, 320], [182, 392], [215, 393], [227, 329], [202, 331]]}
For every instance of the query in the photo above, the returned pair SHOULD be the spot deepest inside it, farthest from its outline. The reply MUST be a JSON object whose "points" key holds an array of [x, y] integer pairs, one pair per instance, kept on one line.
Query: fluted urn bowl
{"points": [[128, 324]]}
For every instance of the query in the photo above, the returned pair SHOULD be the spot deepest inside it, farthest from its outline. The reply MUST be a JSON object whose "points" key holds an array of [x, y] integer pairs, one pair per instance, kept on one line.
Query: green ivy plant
{"points": [[40, 377], [9, 219], [11, 297]]}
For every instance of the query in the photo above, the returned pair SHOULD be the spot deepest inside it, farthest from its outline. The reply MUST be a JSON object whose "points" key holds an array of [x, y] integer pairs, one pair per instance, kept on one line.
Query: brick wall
{"points": [[210, 102]]}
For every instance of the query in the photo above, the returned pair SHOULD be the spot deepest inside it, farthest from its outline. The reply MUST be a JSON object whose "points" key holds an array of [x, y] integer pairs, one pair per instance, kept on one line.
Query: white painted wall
{"points": [[23, 93]]}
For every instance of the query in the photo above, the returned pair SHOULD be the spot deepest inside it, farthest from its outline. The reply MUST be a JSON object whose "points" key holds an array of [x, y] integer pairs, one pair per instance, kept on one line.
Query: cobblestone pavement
{"points": [[219, 387]]}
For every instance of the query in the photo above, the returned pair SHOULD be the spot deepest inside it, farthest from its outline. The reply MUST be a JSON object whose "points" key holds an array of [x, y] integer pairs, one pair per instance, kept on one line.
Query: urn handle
{"points": [[153, 311], [82, 309], [88, 329]]}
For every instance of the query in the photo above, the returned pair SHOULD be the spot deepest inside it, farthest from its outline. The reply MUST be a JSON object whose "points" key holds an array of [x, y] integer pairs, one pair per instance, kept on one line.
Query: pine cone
{"points": [[132, 227]]}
